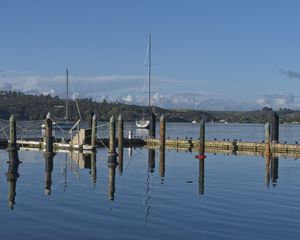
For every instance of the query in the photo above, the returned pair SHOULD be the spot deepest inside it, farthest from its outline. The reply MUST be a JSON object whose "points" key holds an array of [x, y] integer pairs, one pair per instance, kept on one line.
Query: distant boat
{"points": [[194, 121], [144, 122], [65, 123]]}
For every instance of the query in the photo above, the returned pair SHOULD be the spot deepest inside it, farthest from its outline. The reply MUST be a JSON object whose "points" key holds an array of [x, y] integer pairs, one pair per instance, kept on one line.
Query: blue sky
{"points": [[212, 54]]}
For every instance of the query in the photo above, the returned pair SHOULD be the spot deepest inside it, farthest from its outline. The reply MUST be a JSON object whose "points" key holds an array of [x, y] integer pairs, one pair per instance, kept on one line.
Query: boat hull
{"points": [[142, 123]]}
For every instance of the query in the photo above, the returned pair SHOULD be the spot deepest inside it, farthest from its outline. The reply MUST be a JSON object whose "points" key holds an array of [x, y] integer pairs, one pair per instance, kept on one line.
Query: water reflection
{"points": [[112, 164], [271, 170], [93, 171], [201, 176], [120, 159], [162, 166], [151, 160], [48, 172], [12, 176]]}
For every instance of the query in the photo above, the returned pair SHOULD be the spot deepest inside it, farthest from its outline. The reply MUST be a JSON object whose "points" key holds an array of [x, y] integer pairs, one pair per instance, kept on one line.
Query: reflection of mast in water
{"points": [[12, 176], [150, 170], [201, 176], [65, 172], [48, 172], [112, 164]]}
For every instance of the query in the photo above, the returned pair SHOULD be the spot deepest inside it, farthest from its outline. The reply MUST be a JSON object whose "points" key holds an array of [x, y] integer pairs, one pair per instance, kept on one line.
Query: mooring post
{"points": [[152, 133], [112, 137], [12, 145], [94, 131], [202, 139], [162, 132], [48, 135], [120, 142], [275, 128], [267, 138]]}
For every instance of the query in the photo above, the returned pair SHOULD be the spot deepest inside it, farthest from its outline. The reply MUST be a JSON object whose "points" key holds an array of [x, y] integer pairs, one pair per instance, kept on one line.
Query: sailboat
{"points": [[64, 124], [143, 122]]}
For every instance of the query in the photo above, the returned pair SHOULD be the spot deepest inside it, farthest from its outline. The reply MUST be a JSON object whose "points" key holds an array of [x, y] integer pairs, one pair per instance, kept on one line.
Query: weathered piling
{"points": [[48, 172], [94, 131], [12, 176], [48, 135], [120, 143], [152, 127], [267, 139], [202, 139], [12, 145], [275, 128], [112, 137], [162, 132]]}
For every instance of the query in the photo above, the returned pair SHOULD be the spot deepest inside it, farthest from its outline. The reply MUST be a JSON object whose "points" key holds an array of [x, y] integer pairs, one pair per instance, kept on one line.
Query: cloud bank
{"points": [[129, 89]]}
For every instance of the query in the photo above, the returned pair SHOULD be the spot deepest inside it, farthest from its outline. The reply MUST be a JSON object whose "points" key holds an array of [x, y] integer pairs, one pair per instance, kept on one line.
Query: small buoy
{"points": [[200, 156]]}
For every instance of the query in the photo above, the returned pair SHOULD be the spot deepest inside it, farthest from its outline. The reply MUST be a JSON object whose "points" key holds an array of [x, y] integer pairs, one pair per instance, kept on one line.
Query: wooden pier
{"points": [[86, 139]]}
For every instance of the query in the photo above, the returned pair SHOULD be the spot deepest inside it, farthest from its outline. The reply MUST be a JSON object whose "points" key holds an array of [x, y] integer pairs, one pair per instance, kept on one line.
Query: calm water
{"points": [[222, 197]]}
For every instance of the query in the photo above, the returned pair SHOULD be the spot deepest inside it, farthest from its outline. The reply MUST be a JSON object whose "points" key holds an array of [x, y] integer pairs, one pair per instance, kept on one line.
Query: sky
{"points": [[206, 54]]}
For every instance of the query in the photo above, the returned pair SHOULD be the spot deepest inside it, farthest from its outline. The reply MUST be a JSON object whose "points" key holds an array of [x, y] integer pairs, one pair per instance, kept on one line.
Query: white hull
{"points": [[142, 123]]}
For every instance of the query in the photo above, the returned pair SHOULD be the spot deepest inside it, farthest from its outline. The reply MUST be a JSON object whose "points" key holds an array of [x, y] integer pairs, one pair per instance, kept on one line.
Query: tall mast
{"points": [[67, 95], [149, 70]]}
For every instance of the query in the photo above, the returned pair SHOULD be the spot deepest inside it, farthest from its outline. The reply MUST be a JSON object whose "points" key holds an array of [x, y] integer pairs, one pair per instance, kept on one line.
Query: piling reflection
{"points": [[151, 160], [120, 159], [271, 170], [48, 172], [93, 171], [162, 166], [201, 176], [112, 164], [12, 176]]}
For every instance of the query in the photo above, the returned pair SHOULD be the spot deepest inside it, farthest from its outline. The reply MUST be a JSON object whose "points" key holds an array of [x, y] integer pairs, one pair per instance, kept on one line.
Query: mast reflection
{"points": [[12, 176]]}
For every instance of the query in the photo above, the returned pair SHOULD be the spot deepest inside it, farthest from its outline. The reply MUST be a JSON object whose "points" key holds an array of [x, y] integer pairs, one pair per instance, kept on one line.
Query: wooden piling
{"points": [[162, 131], [12, 133], [152, 127], [275, 128], [112, 137], [202, 139], [94, 131], [120, 143], [48, 135], [267, 139]]}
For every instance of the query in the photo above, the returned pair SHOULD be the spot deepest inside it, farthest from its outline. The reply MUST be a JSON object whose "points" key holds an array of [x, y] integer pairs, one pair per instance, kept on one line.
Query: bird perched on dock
{"points": [[284, 142], [263, 141], [191, 138], [296, 142], [186, 138], [215, 139]]}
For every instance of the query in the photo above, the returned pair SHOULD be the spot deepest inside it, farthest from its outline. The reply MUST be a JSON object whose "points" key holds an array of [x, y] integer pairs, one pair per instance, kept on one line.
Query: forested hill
{"points": [[36, 107]]}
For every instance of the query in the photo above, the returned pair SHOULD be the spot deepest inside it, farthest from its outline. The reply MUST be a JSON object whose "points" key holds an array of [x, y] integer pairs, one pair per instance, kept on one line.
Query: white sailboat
{"points": [[64, 124], [143, 122]]}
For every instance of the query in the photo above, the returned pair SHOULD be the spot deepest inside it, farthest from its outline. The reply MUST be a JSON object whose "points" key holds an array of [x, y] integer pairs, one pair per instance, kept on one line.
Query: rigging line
{"points": [[5, 134], [58, 126], [76, 102]]}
